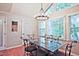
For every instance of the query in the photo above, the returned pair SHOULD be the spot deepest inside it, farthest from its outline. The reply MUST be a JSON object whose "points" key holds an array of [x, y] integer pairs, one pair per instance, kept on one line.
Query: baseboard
{"points": [[2, 48], [14, 46], [11, 47], [73, 54]]}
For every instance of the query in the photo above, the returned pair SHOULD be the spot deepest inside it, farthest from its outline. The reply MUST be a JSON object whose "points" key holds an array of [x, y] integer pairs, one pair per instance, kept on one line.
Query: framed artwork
{"points": [[14, 26]]}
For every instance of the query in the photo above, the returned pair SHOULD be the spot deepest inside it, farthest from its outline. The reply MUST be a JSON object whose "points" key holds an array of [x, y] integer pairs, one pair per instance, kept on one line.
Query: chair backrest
{"points": [[68, 49], [25, 41]]}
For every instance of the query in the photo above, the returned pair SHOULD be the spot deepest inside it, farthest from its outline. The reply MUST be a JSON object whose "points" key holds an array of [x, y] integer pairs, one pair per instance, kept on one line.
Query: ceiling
{"points": [[25, 9], [5, 7]]}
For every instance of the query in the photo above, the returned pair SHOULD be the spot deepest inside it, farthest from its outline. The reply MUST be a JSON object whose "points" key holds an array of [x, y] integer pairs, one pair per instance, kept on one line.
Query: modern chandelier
{"points": [[41, 15]]}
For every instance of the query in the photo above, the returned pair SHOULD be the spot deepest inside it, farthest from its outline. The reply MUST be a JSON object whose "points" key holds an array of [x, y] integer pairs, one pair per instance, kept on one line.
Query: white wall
{"points": [[13, 38], [25, 25], [28, 26]]}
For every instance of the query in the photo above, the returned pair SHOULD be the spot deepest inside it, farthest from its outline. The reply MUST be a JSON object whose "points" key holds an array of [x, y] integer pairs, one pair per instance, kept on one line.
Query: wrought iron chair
{"points": [[68, 49], [29, 48]]}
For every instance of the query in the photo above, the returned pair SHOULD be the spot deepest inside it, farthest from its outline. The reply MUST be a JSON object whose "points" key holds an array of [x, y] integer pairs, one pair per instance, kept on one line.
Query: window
{"points": [[63, 6], [74, 27], [59, 7], [42, 32], [56, 27], [41, 28]]}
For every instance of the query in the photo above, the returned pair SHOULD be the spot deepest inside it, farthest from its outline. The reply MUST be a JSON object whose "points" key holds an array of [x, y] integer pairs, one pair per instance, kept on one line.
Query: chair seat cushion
{"points": [[30, 48]]}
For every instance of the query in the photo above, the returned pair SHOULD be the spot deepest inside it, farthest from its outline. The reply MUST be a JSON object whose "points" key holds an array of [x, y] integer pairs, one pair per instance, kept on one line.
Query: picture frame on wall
{"points": [[14, 26]]}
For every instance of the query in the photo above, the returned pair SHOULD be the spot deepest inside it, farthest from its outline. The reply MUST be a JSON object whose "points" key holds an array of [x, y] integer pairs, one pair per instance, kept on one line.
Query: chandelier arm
{"points": [[41, 6], [41, 16]]}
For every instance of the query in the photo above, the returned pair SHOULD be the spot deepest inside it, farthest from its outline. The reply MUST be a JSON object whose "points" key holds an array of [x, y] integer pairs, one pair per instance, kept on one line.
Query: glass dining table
{"points": [[50, 44]]}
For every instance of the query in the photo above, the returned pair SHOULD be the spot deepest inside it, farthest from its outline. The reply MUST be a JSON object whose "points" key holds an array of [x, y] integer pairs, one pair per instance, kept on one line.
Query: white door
{"points": [[1, 33]]}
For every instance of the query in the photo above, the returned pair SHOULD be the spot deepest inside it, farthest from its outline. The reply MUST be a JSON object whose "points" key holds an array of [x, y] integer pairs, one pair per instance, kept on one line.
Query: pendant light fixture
{"points": [[41, 15]]}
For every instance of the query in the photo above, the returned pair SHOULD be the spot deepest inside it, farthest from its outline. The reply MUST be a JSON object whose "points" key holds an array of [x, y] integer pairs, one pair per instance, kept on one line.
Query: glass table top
{"points": [[51, 45]]}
